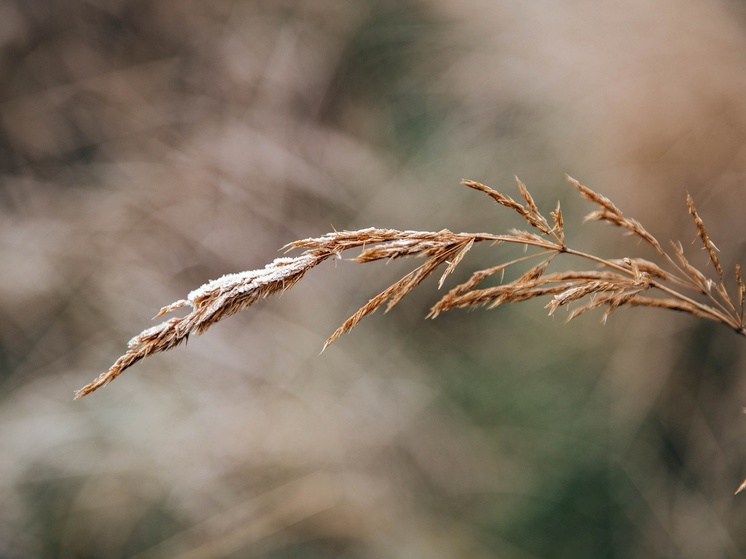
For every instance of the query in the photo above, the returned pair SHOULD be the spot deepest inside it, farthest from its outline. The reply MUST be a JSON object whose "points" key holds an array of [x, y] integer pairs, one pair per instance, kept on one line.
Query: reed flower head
{"points": [[673, 283]]}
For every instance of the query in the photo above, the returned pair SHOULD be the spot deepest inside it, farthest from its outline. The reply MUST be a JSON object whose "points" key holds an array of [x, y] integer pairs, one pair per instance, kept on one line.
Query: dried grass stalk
{"points": [[673, 284]]}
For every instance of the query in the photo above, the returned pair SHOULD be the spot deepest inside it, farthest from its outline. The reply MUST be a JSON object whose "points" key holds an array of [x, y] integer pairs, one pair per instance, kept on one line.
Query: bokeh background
{"points": [[149, 146]]}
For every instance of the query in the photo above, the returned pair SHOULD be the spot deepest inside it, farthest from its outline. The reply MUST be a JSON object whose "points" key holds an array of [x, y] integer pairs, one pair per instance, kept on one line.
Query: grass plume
{"points": [[673, 283]]}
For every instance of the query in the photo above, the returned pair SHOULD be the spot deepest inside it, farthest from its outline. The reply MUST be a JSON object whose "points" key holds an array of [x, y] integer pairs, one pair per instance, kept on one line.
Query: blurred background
{"points": [[149, 146]]}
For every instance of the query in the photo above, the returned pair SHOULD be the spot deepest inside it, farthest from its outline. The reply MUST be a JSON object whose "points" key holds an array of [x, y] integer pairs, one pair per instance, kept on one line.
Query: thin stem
{"points": [[724, 318]]}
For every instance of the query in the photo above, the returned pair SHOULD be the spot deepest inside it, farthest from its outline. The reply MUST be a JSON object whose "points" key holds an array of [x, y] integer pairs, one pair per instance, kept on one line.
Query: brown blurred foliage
{"points": [[148, 146]]}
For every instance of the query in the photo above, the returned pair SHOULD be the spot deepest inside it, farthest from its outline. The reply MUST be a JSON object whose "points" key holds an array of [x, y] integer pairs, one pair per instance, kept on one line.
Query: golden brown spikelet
{"points": [[702, 230], [673, 284]]}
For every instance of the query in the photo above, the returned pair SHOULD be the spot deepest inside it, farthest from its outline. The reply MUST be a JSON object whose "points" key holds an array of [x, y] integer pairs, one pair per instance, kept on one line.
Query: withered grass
{"points": [[671, 283]]}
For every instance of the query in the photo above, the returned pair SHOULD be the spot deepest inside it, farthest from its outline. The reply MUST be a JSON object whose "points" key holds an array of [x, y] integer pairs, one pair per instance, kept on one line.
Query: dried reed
{"points": [[672, 284]]}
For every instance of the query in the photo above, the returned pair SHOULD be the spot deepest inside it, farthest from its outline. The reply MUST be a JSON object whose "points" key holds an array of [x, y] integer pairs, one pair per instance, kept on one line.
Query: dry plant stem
{"points": [[614, 282], [711, 313]]}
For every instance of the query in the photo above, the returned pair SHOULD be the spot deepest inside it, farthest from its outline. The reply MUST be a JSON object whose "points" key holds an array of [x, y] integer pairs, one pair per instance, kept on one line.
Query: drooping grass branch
{"points": [[674, 283]]}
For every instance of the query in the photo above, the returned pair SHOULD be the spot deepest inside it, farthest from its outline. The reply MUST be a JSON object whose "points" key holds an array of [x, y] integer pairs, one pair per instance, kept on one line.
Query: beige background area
{"points": [[147, 147]]}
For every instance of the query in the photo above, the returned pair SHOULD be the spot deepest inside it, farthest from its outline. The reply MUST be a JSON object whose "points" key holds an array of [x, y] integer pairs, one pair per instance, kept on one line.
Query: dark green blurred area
{"points": [[147, 147]]}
